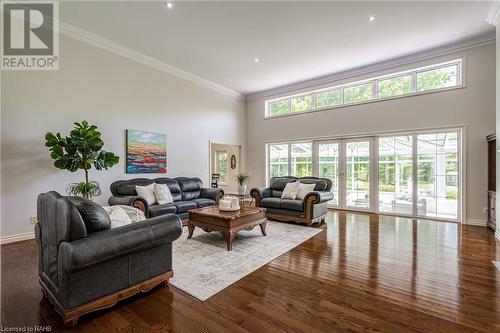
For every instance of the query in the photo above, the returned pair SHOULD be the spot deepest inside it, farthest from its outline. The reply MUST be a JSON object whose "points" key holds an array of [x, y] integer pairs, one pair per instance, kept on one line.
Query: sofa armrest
{"points": [[260, 193], [319, 196], [112, 243], [132, 200], [212, 193]]}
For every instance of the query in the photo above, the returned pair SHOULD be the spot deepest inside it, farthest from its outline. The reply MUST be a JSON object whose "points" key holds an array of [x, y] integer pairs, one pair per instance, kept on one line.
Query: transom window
{"points": [[420, 80]]}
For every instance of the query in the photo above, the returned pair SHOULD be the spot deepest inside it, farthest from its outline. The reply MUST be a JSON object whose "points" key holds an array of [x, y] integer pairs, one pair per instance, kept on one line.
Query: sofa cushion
{"points": [[93, 215], [203, 202], [270, 202], [157, 210], [279, 183], [190, 187], [184, 206], [296, 205], [127, 187], [321, 184]]}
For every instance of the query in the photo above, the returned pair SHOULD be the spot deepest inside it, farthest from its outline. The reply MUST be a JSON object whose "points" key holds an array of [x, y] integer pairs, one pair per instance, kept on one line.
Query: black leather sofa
{"points": [[85, 266], [310, 210], [188, 193]]}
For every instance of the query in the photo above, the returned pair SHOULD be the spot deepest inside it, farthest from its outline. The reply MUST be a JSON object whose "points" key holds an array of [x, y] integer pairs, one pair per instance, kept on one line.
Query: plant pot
{"points": [[243, 189]]}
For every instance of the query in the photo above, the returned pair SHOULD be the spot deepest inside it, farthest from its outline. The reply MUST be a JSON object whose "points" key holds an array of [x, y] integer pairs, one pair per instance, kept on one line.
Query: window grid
{"points": [[375, 89]]}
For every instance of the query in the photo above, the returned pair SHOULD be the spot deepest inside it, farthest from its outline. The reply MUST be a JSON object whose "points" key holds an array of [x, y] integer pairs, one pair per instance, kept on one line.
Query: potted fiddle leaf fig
{"points": [[81, 150], [242, 179]]}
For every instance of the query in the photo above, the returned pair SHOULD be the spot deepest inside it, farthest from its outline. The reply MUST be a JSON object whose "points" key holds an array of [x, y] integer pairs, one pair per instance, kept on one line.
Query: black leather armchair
{"points": [[188, 193], [311, 209], [85, 266]]}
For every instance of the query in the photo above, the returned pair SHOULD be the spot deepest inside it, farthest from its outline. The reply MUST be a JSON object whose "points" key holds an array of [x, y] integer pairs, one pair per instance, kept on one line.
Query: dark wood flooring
{"points": [[364, 273]]}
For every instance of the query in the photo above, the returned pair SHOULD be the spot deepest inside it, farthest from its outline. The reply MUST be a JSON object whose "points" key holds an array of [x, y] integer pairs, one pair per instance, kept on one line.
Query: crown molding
{"points": [[494, 13], [478, 41], [118, 49]]}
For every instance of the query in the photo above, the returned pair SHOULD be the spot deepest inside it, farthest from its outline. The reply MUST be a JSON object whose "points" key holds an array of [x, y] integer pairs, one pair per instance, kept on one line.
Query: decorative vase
{"points": [[243, 189]]}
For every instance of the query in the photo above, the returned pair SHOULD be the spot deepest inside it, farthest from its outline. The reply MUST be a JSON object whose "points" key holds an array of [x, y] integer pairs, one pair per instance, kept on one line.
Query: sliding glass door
{"points": [[395, 174], [438, 175], [347, 164], [357, 177], [413, 174], [329, 167]]}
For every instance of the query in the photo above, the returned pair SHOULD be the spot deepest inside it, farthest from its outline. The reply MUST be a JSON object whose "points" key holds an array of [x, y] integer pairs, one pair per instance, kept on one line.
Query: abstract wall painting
{"points": [[146, 152]]}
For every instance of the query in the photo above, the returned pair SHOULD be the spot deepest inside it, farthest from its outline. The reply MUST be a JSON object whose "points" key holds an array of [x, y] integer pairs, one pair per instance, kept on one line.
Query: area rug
{"points": [[497, 264], [203, 266]]}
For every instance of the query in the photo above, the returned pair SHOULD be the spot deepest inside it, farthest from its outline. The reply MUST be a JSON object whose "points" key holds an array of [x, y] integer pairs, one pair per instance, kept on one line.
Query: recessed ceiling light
{"points": [[256, 60], [371, 18], [170, 5]]}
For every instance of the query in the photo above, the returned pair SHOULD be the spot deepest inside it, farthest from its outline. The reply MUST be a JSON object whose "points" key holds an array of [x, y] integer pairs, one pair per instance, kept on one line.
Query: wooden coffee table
{"points": [[227, 223]]}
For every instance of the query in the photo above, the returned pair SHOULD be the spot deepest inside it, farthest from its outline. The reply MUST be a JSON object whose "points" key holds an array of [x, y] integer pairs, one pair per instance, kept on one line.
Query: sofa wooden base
{"points": [[70, 316], [296, 219]]}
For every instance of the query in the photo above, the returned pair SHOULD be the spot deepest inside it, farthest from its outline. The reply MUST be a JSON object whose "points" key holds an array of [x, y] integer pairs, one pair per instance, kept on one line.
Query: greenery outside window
{"points": [[277, 108], [301, 103], [396, 86], [437, 78], [359, 93], [221, 165], [329, 98]]}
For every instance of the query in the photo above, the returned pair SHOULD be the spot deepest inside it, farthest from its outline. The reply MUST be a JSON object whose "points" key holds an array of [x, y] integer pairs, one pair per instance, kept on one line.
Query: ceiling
{"points": [[294, 41]]}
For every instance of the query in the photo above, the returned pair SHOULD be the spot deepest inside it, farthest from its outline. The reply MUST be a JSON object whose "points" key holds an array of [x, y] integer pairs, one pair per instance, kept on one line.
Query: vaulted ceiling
{"points": [[293, 41]]}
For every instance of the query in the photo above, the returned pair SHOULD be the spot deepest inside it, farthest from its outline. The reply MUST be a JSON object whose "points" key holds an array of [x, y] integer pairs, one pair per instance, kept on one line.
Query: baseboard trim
{"points": [[479, 223], [17, 238]]}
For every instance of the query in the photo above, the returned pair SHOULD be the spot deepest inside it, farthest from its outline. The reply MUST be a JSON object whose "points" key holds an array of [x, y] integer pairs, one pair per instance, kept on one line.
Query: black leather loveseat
{"points": [[188, 193], [84, 265], [311, 209]]}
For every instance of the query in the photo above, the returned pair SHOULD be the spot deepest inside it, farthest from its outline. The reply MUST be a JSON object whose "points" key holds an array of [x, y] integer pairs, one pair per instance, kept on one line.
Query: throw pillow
{"points": [[117, 215], [304, 189], [147, 192], [290, 191], [162, 194], [135, 214], [93, 215]]}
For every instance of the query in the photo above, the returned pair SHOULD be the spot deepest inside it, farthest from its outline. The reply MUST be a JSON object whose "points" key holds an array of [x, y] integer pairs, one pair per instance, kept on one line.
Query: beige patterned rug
{"points": [[203, 266]]}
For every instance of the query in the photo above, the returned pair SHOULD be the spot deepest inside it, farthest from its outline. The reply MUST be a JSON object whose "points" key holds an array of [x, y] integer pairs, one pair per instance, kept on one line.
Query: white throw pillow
{"points": [[163, 194], [135, 214], [290, 191], [118, 216], [304, 189], [147, 192]]}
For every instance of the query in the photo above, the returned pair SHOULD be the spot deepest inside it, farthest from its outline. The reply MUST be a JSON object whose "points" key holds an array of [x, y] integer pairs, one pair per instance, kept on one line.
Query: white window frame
{"points": [[375, 93]]}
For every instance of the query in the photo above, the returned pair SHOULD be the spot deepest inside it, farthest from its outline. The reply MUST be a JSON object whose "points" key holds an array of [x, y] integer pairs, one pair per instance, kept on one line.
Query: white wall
{"points": [[473, 106], [115, 94]]}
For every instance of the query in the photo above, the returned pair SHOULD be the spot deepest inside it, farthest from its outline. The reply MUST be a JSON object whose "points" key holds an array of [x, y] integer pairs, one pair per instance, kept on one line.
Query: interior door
{"points": [[356, 174]]}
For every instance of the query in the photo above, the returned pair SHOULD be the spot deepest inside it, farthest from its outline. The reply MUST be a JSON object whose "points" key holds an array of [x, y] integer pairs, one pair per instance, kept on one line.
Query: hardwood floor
{"points": [[364, 273]]}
